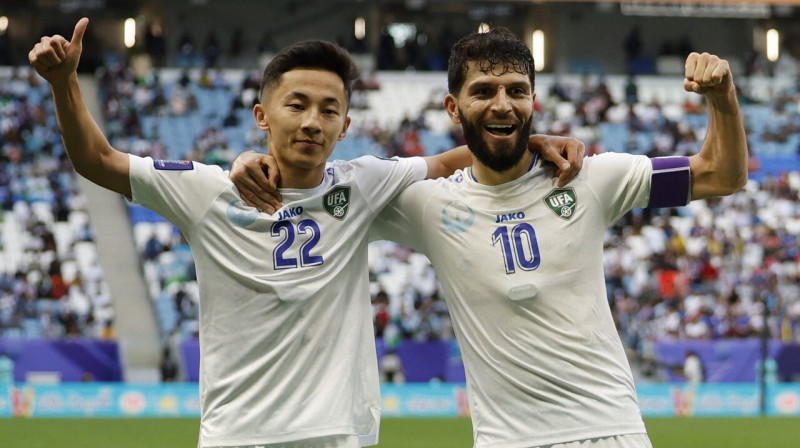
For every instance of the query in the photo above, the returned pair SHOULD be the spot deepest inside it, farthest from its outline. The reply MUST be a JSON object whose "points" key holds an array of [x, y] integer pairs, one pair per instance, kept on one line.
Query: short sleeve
{"points": [[619, 181], [382, 179], [180, 191]]}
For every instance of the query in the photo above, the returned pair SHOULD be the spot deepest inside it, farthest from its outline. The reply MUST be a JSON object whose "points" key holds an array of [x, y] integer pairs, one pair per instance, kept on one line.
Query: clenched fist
{"points": [[707, 75]]}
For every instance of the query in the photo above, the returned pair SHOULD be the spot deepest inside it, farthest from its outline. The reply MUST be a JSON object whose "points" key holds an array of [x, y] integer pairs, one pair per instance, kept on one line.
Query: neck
{"points": [[298, 177], [488, 176]]}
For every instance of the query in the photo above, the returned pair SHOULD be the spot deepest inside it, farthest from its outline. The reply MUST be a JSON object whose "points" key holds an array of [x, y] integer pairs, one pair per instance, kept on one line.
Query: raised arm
{"points": [[56, 60], [720, 168]]}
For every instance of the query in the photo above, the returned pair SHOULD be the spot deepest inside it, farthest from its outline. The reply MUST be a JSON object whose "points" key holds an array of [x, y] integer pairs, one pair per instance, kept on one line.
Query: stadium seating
{"points": [[713, 246], [50, 284], [728, 253]]}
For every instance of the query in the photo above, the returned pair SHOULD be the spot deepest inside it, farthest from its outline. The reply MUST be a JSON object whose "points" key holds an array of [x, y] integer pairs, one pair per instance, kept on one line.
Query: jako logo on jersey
{"points": [[336, 202], [562, 202], [290, 213], [510, 216], [241, 214], [457, 217], [173, 165]]}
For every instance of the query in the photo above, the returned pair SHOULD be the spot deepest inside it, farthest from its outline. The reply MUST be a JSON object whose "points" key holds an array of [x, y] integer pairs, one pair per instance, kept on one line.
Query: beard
{"points": [[505, 155]]}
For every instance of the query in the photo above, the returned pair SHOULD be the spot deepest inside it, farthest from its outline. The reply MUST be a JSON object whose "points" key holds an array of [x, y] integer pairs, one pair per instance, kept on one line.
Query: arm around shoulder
{"points": [[448, 162]]}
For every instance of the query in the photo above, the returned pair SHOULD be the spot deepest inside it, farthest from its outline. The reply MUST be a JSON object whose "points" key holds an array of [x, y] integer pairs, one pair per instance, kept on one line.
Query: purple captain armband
{"points": [[671, 181]]}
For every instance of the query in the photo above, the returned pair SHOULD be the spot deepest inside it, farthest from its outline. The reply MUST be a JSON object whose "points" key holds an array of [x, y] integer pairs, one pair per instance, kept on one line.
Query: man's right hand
{"points": [[565, 152], [56, 59], [256, 177]]}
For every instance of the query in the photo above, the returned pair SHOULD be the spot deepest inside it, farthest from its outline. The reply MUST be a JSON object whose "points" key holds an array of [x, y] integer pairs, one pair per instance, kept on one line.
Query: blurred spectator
{"points": [[391, 368], [211, 50], [380, 311], [155, 44], [693, 368], [632, 45], [186, 50], [237, 43], [6, 369], [167, 366], [5, 49], [108, 332], [631, 91], [385, 57]]}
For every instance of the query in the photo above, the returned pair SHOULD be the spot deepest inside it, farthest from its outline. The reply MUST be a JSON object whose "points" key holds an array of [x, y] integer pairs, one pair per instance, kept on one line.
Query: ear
{"points": [[451, 106], [533, 99], [344, 128], [260, 115]]}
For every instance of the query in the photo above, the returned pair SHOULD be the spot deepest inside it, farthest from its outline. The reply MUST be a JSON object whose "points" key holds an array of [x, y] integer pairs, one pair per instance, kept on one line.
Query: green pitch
{"points": [[395, 433]]}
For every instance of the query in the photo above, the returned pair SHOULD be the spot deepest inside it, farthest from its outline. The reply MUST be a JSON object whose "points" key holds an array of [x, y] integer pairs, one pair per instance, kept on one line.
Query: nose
{"points": [[500, 102], [311, 122]]}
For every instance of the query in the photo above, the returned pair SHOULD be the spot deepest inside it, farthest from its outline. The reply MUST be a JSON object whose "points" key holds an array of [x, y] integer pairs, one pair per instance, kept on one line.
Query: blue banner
{"points": [[783, 400], [100, 400], [424, 400], [725, 360], [708, 400], [409, 400], [70, 359]]}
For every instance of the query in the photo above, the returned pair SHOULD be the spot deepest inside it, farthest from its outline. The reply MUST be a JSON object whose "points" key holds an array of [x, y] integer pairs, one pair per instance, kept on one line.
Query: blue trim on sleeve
{"points": [[173, 165]]}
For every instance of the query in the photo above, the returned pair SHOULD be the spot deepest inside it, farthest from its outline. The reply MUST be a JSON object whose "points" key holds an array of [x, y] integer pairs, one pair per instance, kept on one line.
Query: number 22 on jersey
{"points": [[284, 255]]}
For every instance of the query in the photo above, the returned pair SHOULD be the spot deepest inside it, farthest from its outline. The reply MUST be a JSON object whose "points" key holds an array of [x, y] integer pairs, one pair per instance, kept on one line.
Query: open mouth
{"points": [[500, 129]]}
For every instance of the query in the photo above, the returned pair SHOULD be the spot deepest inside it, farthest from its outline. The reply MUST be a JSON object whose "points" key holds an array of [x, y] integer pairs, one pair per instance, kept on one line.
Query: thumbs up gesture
{"points": [[55, 58]]}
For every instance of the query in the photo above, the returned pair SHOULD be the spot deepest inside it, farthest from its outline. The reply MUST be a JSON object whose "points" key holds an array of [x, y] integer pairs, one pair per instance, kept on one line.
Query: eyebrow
{"points": [[304, 97], [490, 84]]}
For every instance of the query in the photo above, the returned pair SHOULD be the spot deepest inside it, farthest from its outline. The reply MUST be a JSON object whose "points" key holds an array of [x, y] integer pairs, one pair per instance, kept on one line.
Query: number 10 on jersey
{"points": [[519, 247]]}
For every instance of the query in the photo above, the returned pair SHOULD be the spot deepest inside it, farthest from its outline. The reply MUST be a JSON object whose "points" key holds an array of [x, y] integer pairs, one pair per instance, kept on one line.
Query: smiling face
{"points": [[305, 114], [495, 112]]}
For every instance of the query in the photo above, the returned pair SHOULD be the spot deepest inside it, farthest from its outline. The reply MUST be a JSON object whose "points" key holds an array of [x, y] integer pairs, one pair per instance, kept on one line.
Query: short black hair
{"points": [[497, 51], [311, 54]]}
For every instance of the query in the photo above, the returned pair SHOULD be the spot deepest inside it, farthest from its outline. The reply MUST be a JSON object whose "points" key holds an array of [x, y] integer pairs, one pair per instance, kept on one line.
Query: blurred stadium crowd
{"points": [[51, 284], [723, 268]]}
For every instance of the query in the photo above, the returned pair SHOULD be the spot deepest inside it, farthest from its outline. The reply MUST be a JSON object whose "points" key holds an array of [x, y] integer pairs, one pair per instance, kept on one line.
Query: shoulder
{"points": [[177, 172], [173, 166], [612, 162], [370, 161], [440, 186], [613, 157], [377, 169]]}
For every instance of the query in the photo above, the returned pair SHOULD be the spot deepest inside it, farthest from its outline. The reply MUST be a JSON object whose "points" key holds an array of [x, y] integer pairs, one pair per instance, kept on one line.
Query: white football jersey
{"points": [[521, 265], [287, 350]]}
